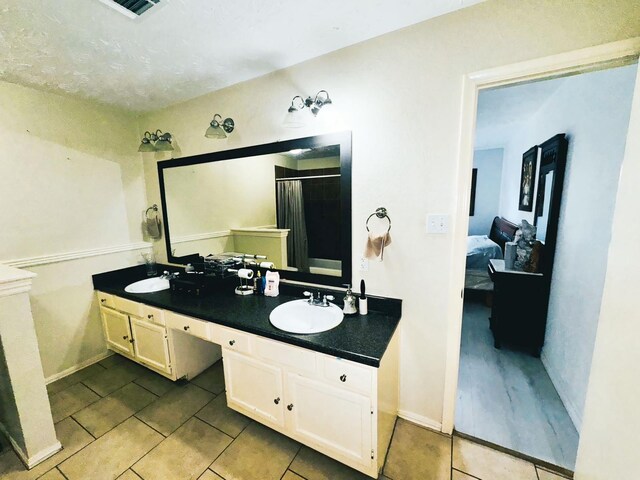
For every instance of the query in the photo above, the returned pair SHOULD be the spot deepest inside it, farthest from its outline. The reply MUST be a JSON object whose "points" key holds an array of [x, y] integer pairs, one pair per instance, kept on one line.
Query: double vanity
{"points": [[335, 391]]}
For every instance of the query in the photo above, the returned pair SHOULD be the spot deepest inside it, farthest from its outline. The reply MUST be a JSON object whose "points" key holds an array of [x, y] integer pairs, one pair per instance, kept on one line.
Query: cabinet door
{"points": [[150, 344], [338, 422], [117, 331], [254, 387]]}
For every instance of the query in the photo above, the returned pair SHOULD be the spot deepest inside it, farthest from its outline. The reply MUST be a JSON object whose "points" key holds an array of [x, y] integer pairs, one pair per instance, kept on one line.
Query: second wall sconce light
{"points": [[219, 128], [156, 142], [294, 118]]}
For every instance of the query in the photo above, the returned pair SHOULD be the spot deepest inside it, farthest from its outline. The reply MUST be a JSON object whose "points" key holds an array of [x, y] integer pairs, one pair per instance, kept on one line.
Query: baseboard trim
{"points": [[562, 388], [420, 420], [80, 366], [40, 457], [65, 257]]}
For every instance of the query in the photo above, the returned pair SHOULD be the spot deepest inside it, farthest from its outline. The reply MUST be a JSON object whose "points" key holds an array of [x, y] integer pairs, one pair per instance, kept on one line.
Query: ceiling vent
{"points": [[131, 8]]}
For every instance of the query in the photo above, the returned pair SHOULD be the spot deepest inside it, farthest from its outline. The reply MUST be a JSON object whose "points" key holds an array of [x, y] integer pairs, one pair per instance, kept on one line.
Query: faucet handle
{"points": [[326, 299], [329, 297], [307, 294]]}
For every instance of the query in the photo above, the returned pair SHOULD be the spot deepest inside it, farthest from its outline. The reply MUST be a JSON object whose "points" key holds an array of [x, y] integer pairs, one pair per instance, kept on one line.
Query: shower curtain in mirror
{"points": [[291, 216]]}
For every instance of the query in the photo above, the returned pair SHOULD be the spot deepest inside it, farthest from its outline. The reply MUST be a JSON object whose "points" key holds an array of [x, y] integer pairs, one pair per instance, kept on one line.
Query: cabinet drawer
{"points": [[153, 315], [233, 339], [106, 300], [347, 374], [294, 358], [127, 306], [192, 326]]}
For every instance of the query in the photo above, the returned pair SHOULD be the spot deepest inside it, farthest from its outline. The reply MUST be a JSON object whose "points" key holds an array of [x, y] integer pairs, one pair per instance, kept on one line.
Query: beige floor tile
{"points": [[176, 407], [101, 416], [257, 453], [212, 379], [291, 476], [313, 465], [155, 382], [418, 453], [113, 360], [484, 462], [209, 475], [456, 475], [74, 378], [71, 400], [546, 475], [217, 413], [185, 454], [129, 475], [113, 453], [53, 474], [72, 437], [114, 378]]}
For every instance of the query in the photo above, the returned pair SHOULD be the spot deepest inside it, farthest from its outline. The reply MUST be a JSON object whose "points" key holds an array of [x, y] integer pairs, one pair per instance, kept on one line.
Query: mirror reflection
{"points": [[284, 205]]}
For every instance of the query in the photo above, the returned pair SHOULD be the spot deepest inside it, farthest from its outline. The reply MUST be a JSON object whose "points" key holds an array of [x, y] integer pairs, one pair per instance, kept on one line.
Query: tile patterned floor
{"points": [[117, 420]]}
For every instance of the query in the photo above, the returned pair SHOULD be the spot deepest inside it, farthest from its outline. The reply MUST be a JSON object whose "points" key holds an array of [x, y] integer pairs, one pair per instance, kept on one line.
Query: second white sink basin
{"points": [[148, 285], [298, 316]]}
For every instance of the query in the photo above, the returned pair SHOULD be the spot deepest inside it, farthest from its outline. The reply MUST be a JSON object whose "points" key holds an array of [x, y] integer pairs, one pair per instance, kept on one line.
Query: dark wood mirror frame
{"points": [[343, 139], [553, 157]]}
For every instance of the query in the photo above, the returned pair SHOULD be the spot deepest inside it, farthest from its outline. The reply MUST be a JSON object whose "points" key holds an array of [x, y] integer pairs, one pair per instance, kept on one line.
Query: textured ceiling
{"points": [[185, 48]]}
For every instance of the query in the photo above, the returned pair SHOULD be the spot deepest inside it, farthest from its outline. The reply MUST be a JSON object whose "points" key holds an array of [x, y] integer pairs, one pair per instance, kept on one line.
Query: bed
{"points": [[482, 248]]}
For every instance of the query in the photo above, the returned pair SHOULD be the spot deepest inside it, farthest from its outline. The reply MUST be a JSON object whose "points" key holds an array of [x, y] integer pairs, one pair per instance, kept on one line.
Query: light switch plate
{"points": [[364, 264], [437, 223]]}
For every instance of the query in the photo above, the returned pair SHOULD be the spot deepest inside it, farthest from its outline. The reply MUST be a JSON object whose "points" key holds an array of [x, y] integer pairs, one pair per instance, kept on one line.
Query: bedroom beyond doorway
{"points": [[507, 396]]}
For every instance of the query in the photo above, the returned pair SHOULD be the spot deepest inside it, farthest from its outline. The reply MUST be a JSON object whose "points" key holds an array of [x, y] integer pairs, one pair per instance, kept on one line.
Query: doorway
{"points": [[508, 397]]}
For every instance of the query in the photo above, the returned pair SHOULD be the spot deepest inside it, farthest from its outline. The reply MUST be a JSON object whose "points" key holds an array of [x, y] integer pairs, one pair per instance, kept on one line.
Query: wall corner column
{"points": [[25, 411]]}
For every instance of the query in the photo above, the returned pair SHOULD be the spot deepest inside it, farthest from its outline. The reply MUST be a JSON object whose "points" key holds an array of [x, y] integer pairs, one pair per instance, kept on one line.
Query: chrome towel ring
{"points": [[381, 213]]}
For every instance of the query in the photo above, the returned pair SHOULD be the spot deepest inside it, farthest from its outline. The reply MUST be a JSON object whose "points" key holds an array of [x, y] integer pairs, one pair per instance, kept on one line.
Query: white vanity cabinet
{"points": [[344, 409], [329, 404], [140, 333]]}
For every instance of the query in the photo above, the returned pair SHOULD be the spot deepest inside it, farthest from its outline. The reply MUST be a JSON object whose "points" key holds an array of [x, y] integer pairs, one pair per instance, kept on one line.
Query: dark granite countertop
{"points": [[360, 338]]}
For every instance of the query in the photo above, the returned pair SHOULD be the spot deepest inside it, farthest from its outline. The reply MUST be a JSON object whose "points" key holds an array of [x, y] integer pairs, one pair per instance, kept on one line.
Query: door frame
{"points": [[600, 57]]}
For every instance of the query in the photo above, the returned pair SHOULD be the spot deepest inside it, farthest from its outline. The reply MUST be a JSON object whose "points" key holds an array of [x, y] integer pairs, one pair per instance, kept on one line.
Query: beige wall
{"points": [[70, 181], [400, 96], [609, 437]]}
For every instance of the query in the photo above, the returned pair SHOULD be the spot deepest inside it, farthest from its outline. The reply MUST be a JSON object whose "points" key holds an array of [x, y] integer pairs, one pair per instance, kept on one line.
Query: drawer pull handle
{"points": [[290, 407], [343, 378], [232, 342], [149, 316], [125, 337], [276, 400], [186, 327], [102, 300]]}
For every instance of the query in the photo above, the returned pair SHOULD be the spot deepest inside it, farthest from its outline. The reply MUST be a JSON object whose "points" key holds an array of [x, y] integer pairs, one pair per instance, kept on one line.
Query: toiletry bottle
{"points": [[349, 302], [256, 283], [273, 281], [362, 301], [259, 284]]}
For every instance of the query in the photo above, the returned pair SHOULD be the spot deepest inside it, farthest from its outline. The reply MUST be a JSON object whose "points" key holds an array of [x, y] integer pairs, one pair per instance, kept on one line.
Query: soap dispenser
{"points": [[349, 302]]}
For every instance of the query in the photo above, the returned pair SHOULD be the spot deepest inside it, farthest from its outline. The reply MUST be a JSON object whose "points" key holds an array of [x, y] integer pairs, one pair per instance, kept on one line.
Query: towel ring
{"points": [[153, 207], [380, 212]]}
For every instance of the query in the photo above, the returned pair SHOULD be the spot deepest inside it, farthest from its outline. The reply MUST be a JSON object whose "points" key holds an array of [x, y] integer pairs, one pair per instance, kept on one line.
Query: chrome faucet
{"points": [[166, 275], [318, 300]]}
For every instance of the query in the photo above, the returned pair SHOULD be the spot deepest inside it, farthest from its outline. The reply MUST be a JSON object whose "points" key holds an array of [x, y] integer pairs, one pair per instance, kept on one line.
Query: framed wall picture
{"points": [[472, 202], [528, 179]]}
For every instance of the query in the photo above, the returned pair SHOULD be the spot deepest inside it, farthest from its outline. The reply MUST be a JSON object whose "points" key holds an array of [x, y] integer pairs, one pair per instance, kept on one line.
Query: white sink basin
{"points": [[298, 316], [148, 285]]}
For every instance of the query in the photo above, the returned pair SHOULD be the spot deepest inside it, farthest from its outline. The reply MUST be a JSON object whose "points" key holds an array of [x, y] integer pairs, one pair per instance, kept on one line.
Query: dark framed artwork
{"points": [[528, 179], [472, 201]]}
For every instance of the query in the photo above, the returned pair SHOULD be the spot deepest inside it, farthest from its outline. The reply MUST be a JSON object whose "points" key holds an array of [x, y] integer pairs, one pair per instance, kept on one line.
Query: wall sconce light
{"points": [[156, 142], [294, 117], [219, 128]]}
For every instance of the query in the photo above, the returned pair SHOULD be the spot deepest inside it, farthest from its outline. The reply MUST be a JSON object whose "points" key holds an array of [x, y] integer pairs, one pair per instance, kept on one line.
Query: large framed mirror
{"points": [[289, 201]]}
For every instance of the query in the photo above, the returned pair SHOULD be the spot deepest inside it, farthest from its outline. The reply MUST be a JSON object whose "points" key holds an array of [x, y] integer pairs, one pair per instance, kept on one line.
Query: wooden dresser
{"points": [[518, 313]]}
